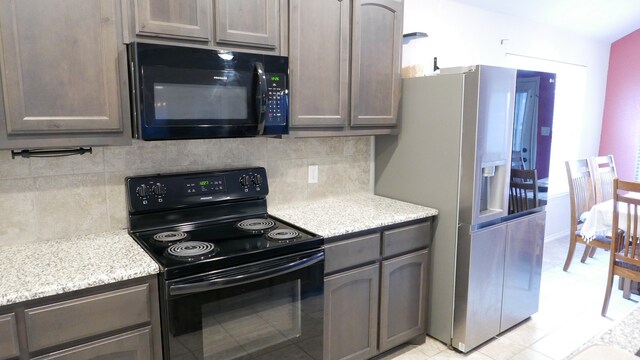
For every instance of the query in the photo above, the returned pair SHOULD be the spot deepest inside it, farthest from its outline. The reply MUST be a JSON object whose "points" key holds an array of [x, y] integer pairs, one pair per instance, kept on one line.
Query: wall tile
{"points": [[281, 149], [16, 206], [323, 147], [141, 155], [116, 199], [287, 181], [13, 168], [69, 205], [65, 165], [60, 197]]}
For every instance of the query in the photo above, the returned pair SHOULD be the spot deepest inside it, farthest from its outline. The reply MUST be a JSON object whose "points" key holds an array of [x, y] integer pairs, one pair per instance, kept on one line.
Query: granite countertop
{"points": [[40, 269], [350, 213]]}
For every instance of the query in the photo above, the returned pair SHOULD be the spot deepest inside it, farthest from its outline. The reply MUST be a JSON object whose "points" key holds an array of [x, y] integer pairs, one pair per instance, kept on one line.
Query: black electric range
{"points": [[227, 266], [196, 222]]}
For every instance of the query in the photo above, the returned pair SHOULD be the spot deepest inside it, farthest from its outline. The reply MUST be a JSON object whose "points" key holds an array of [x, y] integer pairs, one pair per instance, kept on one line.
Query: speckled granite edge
{"points": [[624, 335], [351, 213], [41, 269]]}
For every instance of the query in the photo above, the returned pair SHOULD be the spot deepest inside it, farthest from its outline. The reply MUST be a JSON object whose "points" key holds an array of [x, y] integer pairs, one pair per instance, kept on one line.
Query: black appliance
{"points": [[235, 282], [193, 93]]}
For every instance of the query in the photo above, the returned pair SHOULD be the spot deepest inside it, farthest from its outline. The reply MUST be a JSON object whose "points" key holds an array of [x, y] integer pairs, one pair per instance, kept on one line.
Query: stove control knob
{"points": [[244, 180], [142, 190], [256, 179], [159, 189]]}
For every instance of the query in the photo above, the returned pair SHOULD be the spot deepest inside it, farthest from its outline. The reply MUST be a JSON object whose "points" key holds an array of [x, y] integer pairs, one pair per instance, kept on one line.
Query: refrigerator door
{"points": [[479, 279], [523, 269], [486, 147]]}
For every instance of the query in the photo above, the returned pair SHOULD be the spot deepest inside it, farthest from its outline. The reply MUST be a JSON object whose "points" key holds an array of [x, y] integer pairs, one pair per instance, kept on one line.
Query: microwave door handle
{"points": [[261, 96], [203, 286]]}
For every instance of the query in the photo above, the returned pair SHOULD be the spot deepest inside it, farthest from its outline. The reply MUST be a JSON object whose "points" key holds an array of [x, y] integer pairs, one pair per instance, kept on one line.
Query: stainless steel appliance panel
{"points": [[523, 269], [479, 276], [428, 148], [486, 147]]}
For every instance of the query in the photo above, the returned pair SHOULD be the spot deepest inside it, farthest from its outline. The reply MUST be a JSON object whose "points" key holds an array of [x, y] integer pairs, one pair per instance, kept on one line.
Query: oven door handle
{"points": [[192, 288]]}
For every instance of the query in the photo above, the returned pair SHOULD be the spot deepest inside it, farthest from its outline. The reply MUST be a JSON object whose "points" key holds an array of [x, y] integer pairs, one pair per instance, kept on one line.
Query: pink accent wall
{"points": [[621, 121]]}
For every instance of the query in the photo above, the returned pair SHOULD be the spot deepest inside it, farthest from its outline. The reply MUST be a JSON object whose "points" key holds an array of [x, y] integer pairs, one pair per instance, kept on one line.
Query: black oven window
{"points": [[251, 322], [270, 320], [192, 101]]}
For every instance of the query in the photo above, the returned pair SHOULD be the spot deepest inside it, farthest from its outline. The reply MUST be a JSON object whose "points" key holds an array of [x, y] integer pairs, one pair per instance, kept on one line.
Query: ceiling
{"points": [[607, 20]]}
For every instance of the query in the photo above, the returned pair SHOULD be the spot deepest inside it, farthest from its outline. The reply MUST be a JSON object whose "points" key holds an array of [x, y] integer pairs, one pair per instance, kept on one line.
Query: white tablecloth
{"points": [[600, 218]]}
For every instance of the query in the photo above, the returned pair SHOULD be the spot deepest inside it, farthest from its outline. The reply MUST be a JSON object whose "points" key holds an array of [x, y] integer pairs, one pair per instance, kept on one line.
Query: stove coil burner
{"points": [[192, 250], [283, 235], [169, 236], [256, 225]]}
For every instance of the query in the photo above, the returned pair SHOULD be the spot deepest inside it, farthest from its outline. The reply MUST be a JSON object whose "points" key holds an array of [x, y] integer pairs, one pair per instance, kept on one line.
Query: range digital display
{"points": [[205, 186]]}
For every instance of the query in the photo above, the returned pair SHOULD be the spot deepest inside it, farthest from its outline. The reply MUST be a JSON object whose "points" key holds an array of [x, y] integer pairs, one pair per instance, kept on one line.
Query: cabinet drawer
{"points": [[402, 240], [134, 345], [8, 337], [352, 252], [92, 315]]}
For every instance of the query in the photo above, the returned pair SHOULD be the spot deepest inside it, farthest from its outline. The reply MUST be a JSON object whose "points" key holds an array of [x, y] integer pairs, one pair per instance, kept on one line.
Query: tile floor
{"points": [[569, 314]]}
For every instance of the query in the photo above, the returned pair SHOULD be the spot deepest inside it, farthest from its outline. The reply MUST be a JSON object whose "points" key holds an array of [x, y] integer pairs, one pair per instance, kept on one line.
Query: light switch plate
{"points": [[313, 174]]}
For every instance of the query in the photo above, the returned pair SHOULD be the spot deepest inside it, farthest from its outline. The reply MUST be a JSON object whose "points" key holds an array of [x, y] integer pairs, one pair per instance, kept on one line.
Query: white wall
{"points": [[465, 35]]}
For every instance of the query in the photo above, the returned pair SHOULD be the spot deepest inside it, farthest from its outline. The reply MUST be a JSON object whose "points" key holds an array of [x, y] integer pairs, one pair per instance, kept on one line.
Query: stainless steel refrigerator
{"points": [[453, 153]]}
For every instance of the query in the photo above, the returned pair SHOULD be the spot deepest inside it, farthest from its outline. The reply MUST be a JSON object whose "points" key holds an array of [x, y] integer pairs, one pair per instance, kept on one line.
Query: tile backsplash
{"points": [[47, 198]]}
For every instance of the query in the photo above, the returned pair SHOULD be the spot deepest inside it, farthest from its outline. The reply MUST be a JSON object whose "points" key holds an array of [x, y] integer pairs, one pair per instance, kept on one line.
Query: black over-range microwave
{"points": [[192, 93]]}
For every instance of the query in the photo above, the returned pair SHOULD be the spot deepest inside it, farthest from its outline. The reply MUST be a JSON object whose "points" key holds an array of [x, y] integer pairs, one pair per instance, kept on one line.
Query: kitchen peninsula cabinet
{"points": [[344, 59], [64, 67], [375, 290], [234, 25], [111, 321]]}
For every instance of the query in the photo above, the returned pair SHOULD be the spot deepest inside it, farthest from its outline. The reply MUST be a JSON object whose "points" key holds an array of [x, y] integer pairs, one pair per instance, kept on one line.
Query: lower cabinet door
{"points": [[351, 314], [133, 345], [403, 299]]}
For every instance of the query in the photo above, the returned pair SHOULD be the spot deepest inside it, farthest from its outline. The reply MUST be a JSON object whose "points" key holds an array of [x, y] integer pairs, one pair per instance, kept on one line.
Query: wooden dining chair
{"points": [[523, 190], [603, 169], [624, 259], [581, 199]]}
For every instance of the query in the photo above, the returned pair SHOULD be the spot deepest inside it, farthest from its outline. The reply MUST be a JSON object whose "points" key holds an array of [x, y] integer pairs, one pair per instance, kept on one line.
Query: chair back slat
{"points": [[626, 195], [580, 187], [603, 169], [523, 190]]}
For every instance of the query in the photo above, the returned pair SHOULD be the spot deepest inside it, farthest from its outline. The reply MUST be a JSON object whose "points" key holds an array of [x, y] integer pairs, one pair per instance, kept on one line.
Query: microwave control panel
{"points": [[278, 99]]}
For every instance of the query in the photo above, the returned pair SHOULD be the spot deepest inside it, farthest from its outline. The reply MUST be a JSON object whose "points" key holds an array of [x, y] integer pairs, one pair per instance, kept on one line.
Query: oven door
{"points": [[267, 310]]}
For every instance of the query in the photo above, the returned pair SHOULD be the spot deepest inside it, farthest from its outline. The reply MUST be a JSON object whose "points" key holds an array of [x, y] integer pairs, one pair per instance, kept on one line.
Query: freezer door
{"points": [[523, 269], [479, 276]]}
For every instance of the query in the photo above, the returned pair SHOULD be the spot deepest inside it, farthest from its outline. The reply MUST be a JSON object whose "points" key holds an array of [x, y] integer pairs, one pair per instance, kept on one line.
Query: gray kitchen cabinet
{"points": [[115, 321], [186, 19], [319, 63], [134, 345], [64, 66], [232, 25], [375, 290], [351, 314], [375, 77], [402, 299], [344, 67], [8, 337], [254, 23]]}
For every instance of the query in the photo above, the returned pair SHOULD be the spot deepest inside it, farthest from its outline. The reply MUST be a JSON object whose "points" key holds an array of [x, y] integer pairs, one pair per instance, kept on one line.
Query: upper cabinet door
{"points": [[319, 62], [377, 40], [189, 19], [61, 67], [254, 23]]}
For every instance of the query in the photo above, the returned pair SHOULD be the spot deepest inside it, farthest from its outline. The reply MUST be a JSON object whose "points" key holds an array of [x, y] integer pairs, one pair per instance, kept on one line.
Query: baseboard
{"points": [[556, 236]]}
